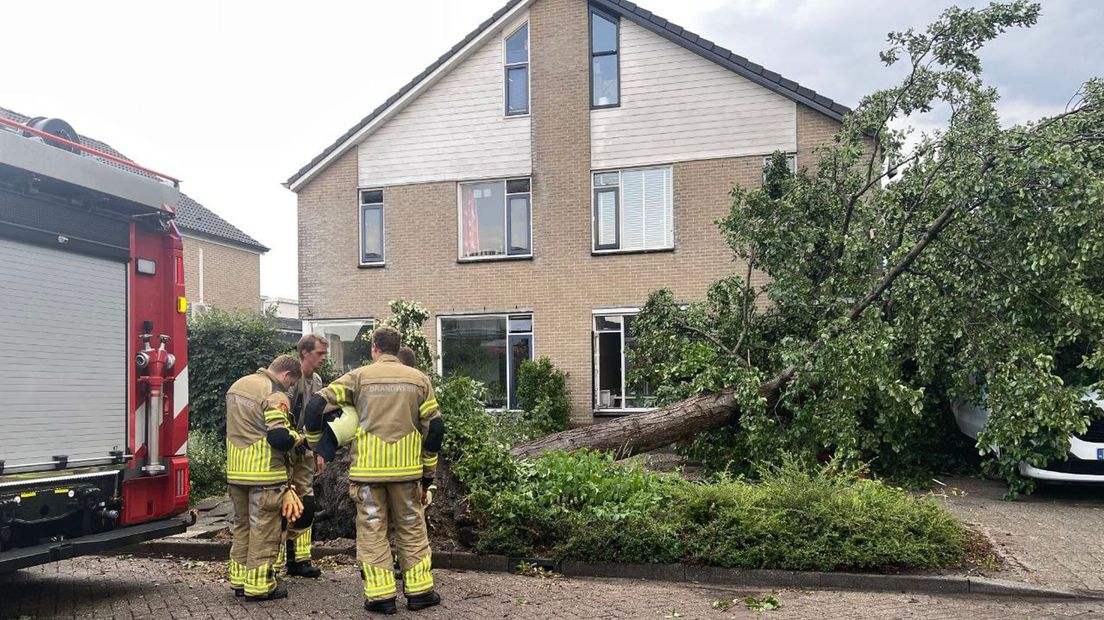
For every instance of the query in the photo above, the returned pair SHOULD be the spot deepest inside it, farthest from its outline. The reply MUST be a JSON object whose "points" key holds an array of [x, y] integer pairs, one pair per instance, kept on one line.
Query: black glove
{"points": [[301, 449], [426, 482]]}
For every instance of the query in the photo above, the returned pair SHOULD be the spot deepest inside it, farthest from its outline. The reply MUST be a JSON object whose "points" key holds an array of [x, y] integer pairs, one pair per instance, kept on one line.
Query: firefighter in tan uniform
{"points": [[304, 464], [259, 435], [393, 456]]}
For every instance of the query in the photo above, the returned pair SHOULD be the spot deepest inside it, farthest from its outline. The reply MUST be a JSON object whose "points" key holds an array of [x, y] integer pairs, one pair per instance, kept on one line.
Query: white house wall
{"points": [[678, 106], [456, 130]]}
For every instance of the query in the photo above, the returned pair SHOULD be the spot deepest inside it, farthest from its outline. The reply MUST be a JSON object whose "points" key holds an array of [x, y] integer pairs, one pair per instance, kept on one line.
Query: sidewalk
{"points": [[1052, 538]]}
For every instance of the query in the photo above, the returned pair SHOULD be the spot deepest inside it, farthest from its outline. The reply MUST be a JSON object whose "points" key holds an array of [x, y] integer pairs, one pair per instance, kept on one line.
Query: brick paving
{"points": [[118, 587], [1050, 538]]}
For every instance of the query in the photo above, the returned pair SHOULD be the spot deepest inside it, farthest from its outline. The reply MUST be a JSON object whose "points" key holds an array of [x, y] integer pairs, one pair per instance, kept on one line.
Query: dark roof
{"points": [[194, 217], [644, 18], [190, 215]]}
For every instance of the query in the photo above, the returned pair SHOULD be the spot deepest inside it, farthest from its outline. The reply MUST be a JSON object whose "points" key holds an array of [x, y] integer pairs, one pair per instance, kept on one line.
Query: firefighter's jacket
{"points": [[299, 395], [397, 408], [255, 405]]}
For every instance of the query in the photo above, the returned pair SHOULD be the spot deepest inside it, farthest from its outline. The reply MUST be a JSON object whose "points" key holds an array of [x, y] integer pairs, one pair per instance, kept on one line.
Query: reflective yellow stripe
{"points": [[237, 575], [314, 437], [376, 458], [341, 395], [418, 578], [384, 472], [259, 581], [302, 547], [378, 582], [428, 406], [253, 464], [429, 461]]}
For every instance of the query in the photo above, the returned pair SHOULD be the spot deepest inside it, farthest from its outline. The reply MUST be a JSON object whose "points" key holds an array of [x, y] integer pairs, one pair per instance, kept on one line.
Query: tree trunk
{"points": [[647, 431], [643, 432]]}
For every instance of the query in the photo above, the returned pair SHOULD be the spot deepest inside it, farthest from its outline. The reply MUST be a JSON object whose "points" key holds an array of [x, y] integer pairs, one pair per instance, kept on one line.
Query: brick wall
{"points": [[563, 283], [813, 129], [231, 276]]}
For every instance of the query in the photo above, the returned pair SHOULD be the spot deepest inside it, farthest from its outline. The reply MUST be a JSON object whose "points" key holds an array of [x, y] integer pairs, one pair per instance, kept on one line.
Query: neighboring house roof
{"points": [[638, 15], [191, 217]]}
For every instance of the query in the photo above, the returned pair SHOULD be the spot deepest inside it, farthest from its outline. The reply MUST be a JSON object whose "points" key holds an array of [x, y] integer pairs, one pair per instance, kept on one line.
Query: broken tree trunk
{"points": [[639, 433]]}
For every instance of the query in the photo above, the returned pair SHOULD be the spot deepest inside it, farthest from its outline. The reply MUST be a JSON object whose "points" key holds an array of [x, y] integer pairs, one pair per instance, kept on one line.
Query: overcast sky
{"points": [[234, 96]]}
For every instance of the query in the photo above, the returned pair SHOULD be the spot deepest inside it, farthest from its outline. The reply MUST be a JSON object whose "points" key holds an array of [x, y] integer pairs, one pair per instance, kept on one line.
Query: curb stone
{"points": [[712, 575]]}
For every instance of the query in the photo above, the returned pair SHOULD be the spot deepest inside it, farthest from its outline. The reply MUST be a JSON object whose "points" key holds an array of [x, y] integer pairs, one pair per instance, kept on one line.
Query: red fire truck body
{"points": [[93, 349]]}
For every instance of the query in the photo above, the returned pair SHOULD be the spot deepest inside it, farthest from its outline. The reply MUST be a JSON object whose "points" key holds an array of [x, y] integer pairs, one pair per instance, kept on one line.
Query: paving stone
{"points": [[107, 587], [1050, 538]]}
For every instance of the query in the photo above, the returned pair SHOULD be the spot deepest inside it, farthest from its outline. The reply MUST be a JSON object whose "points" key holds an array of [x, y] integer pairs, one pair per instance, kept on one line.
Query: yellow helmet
{"points": [[345, 426]]}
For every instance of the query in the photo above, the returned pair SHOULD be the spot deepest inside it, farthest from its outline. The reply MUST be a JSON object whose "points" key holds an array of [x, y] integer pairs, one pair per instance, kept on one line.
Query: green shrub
{"points": [[206, 465], [222, 348], [582, 506], [542, 394]]}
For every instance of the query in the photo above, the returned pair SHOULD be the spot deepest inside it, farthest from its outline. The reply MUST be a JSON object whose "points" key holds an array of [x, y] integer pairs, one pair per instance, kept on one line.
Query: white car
{"points": [[1085, 462]]}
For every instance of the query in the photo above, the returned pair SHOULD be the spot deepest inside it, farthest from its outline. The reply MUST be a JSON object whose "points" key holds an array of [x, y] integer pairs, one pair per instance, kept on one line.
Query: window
{"points": [[605, 82], [517, 72], [613, 341], [488, 348], [495, 219], [350, 342], [791, 163], [632, 210], [371, 227]]}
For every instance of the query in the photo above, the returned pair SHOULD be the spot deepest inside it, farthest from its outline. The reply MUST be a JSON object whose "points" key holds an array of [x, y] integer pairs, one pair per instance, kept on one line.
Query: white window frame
{"points": [[506, 66], [506, 220], [532, 333], [791, 160], [594, 363], [318, 326], [620, 210], [361, 205]]}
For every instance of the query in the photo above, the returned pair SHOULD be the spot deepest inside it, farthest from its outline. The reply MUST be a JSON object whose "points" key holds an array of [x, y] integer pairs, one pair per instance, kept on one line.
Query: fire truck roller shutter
{"points": [[63, 355]]}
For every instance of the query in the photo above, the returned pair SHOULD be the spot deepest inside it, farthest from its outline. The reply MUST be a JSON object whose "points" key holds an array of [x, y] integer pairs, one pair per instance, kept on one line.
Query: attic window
{"points": [[517, 72], [605, 82]]}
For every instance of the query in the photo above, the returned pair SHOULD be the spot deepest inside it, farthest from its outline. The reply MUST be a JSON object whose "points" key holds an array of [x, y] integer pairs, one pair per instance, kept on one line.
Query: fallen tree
{"points": [[906, 270]]}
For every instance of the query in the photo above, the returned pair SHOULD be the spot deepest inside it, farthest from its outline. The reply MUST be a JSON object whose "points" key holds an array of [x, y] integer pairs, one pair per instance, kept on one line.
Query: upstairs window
{"points": [[605, 82], [633, 210], [496, 219], [517, 72], [371, 227]]}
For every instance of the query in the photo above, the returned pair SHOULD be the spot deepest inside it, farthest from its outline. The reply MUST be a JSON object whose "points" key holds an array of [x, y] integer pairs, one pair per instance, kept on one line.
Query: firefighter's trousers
{"points": [[400, 505], [257, 535], [302, 480]]}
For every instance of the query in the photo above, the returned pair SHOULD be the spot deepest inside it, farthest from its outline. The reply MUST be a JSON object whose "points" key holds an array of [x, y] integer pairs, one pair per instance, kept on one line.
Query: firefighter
{"points": [[407, 357], [259, 434], [393, 458], [303, 461]]}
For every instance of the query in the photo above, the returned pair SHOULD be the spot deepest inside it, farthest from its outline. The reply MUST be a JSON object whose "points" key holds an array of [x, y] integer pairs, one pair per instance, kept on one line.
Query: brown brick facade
{"points": [[231, 276], [563, 283]]}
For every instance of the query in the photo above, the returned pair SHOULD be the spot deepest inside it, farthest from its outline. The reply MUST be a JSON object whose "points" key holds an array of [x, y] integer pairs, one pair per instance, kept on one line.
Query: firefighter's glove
{"points": [[301, 447], [428, 488], [292, 507]]}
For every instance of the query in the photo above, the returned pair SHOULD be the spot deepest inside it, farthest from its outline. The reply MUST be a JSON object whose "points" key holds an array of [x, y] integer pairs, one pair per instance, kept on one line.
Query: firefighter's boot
{"points": [[386, 607], [422, 601], [300, 569], [279, 592]]}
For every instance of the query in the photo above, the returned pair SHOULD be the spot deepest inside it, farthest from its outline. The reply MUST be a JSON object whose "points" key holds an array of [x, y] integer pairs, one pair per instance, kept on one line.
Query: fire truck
{"points": [[93, 349]]}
